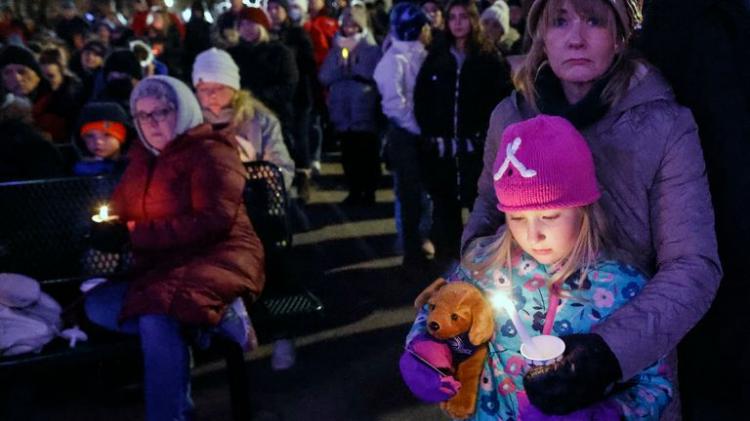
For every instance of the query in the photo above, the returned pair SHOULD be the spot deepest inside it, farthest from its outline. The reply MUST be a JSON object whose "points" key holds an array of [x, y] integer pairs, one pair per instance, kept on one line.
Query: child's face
{"points": [[547, 235], [101, 144], [214, 96]]}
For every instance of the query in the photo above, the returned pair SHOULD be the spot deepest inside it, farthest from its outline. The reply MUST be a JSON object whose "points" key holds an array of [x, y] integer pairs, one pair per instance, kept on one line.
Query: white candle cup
{"points": [[545, 350]]}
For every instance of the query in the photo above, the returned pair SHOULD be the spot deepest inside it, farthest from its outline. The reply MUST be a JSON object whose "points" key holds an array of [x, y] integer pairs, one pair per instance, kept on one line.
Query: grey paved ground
{"points": [[347, 367]]}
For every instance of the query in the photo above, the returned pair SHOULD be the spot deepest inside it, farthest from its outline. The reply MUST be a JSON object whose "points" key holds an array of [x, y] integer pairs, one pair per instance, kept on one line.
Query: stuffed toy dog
{"points": [[461, 319]]}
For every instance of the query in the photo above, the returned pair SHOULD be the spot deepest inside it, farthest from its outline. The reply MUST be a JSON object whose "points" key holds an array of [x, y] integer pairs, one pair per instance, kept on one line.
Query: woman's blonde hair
{"points": [[591, 242], [619, 73], [245, 105]]}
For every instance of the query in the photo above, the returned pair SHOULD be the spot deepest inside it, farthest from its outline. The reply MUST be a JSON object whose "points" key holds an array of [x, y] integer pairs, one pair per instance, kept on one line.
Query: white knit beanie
{"points": [[217, 66], [499, 12], [302, 4]]}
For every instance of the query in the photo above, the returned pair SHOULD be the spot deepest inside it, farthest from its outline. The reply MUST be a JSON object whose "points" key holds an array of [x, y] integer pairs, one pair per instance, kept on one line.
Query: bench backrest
{"points": [[44, 226], [267, 206]]}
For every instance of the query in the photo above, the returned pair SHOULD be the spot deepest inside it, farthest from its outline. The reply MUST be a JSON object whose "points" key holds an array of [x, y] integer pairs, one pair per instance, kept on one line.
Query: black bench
{"points": [[43, 234]]}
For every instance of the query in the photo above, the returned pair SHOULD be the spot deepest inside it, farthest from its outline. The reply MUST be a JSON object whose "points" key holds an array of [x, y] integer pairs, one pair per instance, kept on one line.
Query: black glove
{"points": [[583, 376], [109, 237]]}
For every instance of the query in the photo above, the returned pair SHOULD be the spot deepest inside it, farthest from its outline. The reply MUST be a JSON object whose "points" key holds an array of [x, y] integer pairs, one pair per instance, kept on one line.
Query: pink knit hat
{"points": [[543, 163]]}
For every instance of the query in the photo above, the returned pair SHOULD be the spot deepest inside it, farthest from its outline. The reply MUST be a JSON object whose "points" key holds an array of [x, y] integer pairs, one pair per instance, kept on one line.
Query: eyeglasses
{"points": [[154, 116]]}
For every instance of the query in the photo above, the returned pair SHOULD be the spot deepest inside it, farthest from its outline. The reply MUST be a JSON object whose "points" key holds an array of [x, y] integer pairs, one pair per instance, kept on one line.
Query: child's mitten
{"points": [[583, 376]]}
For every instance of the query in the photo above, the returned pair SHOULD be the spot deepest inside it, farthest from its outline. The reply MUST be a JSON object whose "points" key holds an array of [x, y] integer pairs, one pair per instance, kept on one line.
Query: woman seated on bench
{"points": [[196, 253]]}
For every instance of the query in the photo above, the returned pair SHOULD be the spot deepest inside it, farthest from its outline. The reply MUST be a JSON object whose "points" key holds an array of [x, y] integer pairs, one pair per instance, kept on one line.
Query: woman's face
{"points": [[493, 30], [90, 60], [350, 28], [278, 14], [548, 235], [214, 96], [104, 34], [157, 120], [53, 74], [101, 144], [315, 6], [580, 49], [458, 22], [436, 15], [249, 30], [19, 79]]}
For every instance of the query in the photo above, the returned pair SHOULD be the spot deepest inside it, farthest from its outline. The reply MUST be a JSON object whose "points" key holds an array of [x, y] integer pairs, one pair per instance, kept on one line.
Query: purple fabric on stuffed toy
{"points": [[424, 366]]}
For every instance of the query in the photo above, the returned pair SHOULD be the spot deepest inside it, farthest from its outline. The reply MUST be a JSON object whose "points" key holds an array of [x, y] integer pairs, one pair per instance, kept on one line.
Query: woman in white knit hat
{"points": [[237, 114]]}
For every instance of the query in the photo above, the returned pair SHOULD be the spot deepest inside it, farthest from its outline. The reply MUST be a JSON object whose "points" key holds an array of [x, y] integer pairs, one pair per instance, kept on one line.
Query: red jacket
{"points": [[322, 29], [194, 246]]}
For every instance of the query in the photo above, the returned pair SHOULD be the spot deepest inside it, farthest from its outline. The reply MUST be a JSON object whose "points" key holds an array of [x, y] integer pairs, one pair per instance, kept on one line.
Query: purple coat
{"points": [[650, 167]]}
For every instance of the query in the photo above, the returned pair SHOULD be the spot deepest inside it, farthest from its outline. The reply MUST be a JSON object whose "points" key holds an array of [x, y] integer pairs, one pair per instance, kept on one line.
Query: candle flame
{"points": [[104, 213], [345, 53], [500, 300]]}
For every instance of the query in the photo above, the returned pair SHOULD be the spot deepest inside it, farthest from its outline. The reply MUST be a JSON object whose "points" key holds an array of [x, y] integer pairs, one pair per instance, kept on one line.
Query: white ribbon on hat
{"points": [[510, 158]]}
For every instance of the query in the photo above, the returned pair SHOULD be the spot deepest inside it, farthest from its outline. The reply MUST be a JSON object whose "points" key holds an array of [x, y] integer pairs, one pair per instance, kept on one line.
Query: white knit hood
{"points": [[188, 110]]}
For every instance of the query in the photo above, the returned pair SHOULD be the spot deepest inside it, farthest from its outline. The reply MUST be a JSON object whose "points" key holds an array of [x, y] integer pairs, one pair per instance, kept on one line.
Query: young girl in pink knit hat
{"points": [[554, 262]]}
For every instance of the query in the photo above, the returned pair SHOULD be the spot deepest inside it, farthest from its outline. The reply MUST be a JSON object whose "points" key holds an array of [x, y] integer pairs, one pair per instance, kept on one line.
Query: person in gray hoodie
{"points": [[650, 165]]}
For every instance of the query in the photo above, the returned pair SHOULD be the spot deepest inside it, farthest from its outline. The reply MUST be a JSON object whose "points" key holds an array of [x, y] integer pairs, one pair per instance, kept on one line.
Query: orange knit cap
{"points": [[112, 128]]}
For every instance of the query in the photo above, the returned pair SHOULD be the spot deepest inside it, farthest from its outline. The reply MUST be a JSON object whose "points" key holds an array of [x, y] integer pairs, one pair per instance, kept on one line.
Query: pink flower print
{"points": [[526, 267], [603, 298], [603, 277], [514, 365], [506, 387], [535, 283], [498, 279]]}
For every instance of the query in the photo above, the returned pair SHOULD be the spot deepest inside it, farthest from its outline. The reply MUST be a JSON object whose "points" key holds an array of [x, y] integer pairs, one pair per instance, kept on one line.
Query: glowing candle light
{"points": [[345, 54], [103, 215], [500, 300]]}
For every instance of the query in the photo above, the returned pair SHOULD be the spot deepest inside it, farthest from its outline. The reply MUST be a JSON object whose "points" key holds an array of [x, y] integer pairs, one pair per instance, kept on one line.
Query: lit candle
{"points": [[103, 215], [345, 54], [500, 300]]}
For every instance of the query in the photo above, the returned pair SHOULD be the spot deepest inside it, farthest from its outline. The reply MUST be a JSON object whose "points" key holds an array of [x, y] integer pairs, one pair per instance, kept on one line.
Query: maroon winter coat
{"points": [[194, 246]]}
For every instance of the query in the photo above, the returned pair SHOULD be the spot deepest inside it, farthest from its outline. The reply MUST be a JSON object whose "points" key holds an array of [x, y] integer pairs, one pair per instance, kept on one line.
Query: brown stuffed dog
{"points": [[461, 316]]}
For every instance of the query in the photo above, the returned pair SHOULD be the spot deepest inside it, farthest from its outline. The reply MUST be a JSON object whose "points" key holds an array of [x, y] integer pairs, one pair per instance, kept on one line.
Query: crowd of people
{"points": [[453, 97]]}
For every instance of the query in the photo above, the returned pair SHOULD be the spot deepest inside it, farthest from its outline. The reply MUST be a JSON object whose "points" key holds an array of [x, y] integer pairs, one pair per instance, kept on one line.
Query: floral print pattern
{"points": [[606, 288]]}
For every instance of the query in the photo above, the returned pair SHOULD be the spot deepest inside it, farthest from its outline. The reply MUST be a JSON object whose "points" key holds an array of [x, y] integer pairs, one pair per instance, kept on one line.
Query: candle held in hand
{"points": [[500, 300], [345, 54]]}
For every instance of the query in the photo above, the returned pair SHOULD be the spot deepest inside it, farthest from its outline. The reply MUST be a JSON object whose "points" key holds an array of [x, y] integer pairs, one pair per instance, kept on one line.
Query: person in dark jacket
{"points": [[458, 85], [120, 74], [197, 37], [66, 87], [267, 68], [102, 139], [296, 39], [71, 27], [197, 256], [87, 64], [22, 76], [24, 153], [353, 102]]}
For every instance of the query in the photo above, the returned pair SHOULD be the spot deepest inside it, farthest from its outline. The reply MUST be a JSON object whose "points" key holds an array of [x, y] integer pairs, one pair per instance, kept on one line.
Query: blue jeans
{"points": [[166, 356]]}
